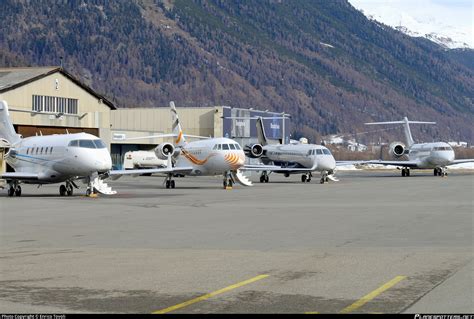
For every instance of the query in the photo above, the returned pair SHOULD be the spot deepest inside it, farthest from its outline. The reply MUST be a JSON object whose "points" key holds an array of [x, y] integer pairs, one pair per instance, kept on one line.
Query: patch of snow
{"points": [[462, 166], [448, 24]]}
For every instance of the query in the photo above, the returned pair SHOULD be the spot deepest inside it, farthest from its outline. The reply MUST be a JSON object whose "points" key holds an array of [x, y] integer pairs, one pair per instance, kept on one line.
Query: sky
{"points": [[455, 17]]}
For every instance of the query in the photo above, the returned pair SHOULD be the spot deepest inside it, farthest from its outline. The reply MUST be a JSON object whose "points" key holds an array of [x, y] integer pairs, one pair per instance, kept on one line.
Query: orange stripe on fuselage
{"points": [[194, 160]]}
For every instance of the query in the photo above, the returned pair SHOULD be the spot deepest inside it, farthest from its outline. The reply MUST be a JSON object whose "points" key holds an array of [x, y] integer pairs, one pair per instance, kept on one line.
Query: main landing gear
{"points": [[169, 182], [67, 189], [228, 181], [440, 171], [306, 177], [264, 177], [405, 172], [14, 189]]}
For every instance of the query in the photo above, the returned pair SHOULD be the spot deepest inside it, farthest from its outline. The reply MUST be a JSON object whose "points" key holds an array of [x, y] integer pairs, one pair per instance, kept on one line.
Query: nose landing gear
{"points": [[440, 171], [228, 181], [324, 177]]}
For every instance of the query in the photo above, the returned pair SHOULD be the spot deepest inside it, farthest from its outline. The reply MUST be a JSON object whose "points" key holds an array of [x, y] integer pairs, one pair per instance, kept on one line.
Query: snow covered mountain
{"points": [[447, 23]]}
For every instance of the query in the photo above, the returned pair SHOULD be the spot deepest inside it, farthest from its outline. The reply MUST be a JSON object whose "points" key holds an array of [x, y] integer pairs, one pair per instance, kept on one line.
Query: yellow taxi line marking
{"points": [[209, 295], [311, 313], [362, 301]]}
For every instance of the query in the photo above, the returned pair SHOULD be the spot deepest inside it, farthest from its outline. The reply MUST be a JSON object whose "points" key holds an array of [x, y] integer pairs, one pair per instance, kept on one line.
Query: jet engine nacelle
{"points": [[397, 149], [163, 150], [253, 151]]}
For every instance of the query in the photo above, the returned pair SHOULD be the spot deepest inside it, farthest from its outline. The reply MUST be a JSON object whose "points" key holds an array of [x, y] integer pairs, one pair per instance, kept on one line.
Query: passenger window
{"points": [[319, 152], [41, 152], [27, 150], [225, 146], [86, 144], [232, 147], [51, 150]]}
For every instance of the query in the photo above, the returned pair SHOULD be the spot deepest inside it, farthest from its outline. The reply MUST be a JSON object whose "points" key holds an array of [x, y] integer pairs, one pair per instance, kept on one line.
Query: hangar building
{"points": [[49, 100]]}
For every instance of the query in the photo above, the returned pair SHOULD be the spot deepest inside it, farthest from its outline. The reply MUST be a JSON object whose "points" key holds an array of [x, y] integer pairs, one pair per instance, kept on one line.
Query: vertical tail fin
{"points": [[262, 138], [406, 126], [176, 126], [7, 131]]}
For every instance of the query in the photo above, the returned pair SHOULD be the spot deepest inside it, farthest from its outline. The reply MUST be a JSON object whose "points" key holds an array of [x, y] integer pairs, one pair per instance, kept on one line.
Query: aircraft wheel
{"points": [[168, 184], [262, 179], [88, 192], [267, 179], [327, 179], [70, 191], [225, 184], [172, 184], [435, 172], [408, 172], [18, 191], [11, 191], [403, 172], [303, 178], [62, 190], [322, 181]]}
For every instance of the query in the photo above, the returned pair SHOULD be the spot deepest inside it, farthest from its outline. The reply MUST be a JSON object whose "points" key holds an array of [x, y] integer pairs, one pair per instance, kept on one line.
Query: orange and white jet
{"points": [[205, 157]]}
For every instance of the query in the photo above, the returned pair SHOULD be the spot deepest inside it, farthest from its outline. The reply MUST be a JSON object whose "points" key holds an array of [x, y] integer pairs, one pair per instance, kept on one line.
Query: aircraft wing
{"points": [[20, 176], [411, 164], [165, 170], [275, 168], [460, 161]]}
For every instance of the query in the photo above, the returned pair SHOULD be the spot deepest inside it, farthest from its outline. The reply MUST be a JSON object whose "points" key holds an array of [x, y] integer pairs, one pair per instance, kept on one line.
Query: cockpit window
{"points": [[86, 144], [99, 144], [237, 147], [319, 152], [326, 151], [74, 143], [442, 148], [225, 146], [215, 147], [232, 147]]}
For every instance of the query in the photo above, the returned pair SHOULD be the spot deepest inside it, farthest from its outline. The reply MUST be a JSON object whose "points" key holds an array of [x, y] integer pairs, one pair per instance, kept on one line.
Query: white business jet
{"points": [[436, 156], [60, 158], [205, 157], [290, 159]]}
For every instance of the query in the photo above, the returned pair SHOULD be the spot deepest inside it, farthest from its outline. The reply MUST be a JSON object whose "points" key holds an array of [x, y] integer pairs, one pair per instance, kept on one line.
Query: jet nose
{"points": [[103, 164], [327, 163]]}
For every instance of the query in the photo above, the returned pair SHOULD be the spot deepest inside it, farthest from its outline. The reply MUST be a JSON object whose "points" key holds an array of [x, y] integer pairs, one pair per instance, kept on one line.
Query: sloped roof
{"points": [[12, 78]]}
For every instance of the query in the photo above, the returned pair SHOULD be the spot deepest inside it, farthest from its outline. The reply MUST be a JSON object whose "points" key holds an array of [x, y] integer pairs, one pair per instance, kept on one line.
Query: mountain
{"points": [[322, 61], [448, 24]]}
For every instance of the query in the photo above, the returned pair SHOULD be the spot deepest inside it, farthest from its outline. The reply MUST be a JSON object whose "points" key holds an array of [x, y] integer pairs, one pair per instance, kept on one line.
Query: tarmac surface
{"points": [[373, 242]]}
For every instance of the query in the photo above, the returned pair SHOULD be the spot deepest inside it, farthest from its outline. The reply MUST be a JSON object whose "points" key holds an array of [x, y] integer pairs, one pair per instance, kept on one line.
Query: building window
{"points": [[54, 104]]}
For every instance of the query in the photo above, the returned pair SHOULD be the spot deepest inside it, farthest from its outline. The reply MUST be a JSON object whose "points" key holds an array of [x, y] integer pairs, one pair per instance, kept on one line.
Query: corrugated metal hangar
{"points": [[49, 100]]}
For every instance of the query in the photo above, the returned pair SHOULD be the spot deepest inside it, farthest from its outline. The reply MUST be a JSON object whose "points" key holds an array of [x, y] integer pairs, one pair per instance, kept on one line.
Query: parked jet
{"points": [[436, 156], [290, 159], [60, 158], [206, 157]]}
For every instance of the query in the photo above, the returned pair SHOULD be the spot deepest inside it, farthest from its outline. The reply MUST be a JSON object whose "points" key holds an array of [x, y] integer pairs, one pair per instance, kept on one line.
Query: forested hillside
{"points": [[321, 61]]}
